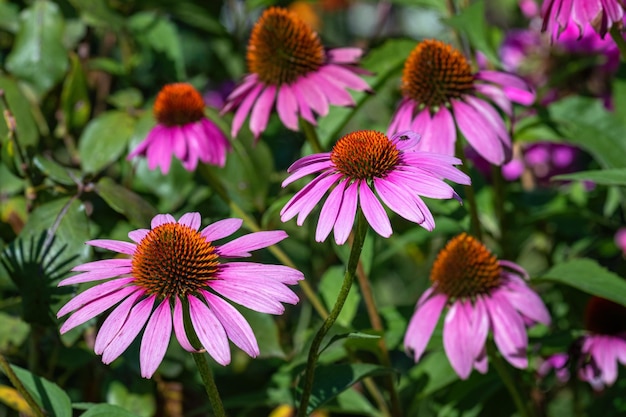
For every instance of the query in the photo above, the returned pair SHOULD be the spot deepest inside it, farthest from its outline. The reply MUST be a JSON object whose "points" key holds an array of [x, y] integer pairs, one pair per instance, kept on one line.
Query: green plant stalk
{"points": [[616, 34], [509, 383], [353, 261], [209, 383], [251, 224], [311, 136], [6, 369], [499, 197], [469, 192]]}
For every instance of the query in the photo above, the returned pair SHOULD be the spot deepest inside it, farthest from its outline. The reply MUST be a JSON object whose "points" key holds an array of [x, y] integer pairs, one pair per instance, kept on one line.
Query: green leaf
{"points": [[329, 289], [75, 102], [38, 56], [384, 61], [107, 410], [129, 98], [472, 22], [266, 332], [98, 14], [432, 373], [104, 139], [601, 177], [161, 35], [9, 15], [13, 332], [21, 109], [56, 172], [331, 380], [588, 276], [138, 211], [48, 395], [142, 404]]}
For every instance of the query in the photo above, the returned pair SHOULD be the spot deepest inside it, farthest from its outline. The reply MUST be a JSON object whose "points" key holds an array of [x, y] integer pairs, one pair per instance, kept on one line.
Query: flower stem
{"points": [[353, 260], [209, 383], [377, 324], [469, 193], [311, 136], [251, 224], [6, 369], [616, 34], [509, 383]]}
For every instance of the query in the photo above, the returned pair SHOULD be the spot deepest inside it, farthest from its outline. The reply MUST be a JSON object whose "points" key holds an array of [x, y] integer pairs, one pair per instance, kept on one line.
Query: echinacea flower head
{"points": [[604, 345], [182, 131], [364, 168], [174, 270], [289, 69], [441, 93], [600, 14], [482, 294]]}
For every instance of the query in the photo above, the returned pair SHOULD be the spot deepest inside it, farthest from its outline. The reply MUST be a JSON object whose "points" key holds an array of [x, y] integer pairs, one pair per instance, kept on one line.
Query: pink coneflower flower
{"points": [[600, 14], [182, 131], [441, 93], [289, 67], [360, 163], [174, 267], [482, 293]]}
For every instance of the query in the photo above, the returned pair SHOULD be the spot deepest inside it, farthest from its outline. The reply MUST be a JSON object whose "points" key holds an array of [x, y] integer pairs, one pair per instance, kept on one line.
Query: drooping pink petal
{"points": [[192, 220], [480, 328], [248, 297], [477, 132], [508, 330], [179, 327], [307, 170], [287, 107], [114, 322], [527, 302], [345, 77], [308, 160], [374, 211], [261, 111], [443, 131], [103, 264], [316, 98], [303, 202], [236, 326], [396, 198], [329, 212], [95, 275], [402, 118], [93, 293], [423, 323], [279, 273], [155, 339], [347, 214], [210, 331], [135, 321], [242, 246], [244, 109], [333, 90], [272, 289], [303, 104], [221, 229], [457, 337], [344, 55], [114, 245]]}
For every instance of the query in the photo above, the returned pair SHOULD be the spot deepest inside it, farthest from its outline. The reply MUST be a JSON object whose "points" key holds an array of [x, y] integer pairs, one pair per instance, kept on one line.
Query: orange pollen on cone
{"points": [[178, 104], [365, 154], [174, 260], [283, 47], [465, 268], [435, 72], [603, 316]]}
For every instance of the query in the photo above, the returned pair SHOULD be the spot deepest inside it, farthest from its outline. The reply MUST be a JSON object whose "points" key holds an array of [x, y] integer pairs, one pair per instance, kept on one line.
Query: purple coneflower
{"points": [[289, 67], [441, 93], [365, 161], [600, 14], [182, 131], [482, 293], [174, 267]]}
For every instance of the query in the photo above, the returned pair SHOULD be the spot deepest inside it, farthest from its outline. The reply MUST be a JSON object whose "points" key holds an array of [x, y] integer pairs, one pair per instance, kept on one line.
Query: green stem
{"points": [[209, 383], [501, 368], [469, 194], [251, 224], [499, 197], [311, 136], [353, 260], [616, 34], [8, 371]]}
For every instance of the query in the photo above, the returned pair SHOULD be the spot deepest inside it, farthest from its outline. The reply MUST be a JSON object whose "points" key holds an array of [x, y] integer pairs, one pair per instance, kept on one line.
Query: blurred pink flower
{"points": [[365, 161], [289, 67], [182, 131], [559, 362], [174, 267], [600, 14], [442, 93], [482, 294], [620, 239]]}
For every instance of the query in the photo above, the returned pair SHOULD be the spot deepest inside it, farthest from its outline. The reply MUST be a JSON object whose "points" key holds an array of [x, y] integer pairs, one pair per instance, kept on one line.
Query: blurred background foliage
{"points": [[77, 81]]}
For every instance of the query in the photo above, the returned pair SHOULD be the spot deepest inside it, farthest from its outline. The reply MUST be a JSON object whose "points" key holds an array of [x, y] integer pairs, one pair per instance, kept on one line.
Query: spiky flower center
{"points": [[365, 154], [174, 260], [178, 104], [465, 268], [435, 72], [282, 48], [605, 317]]}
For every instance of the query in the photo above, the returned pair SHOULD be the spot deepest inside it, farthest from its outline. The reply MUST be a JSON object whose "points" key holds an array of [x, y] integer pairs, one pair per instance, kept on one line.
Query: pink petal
{"points": [[114, 322], [155, 339], [307, 170], [95, 275], [344, 55], [161, 219], [210, 331], [508, 330], [93, 294], [280, 273], [345, 77], [192, 220], [114, 245], [138, 235], [244, 108], [303, 104], [103, 264], [315, 97], [374, 211], [221, 229], [477, 132], [347, 214], [443, 132], [308, 160], [402, 118], [329, 212], [179, 327], [261, 111], [422, 324], [287, 107], [307, 198], [248, 296], [527, 302], [242, 246], [457, 339], [397, 200]]}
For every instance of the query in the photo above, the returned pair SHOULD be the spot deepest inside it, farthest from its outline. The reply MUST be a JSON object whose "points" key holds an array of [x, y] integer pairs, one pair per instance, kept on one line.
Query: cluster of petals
{"points": [[600, 14], [416, 174], [259, 287], [505, 311], [473, 114]]}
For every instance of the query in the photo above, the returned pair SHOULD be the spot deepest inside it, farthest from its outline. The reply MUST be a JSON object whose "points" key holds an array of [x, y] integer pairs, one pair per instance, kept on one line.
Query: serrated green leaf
{"points": [[20, 109], [601, 177], [331, 380], [588, 276], [38, 56], [104, 140], [329, 289], [138, 211], [48, 395], [107, 410]]}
